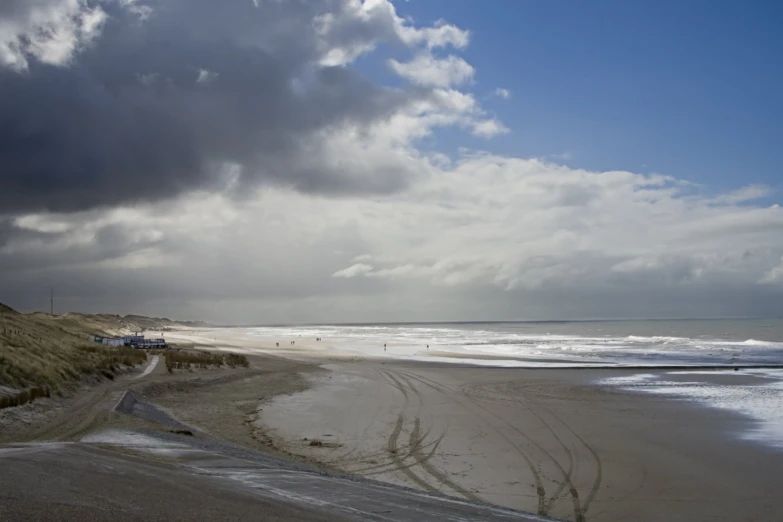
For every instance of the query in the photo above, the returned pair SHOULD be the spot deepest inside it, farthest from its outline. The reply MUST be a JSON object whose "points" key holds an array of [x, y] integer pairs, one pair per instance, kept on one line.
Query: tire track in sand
{"points": [[599, 466], [477, 410], [433, 446], [442, 477], [392, 448], [476, 389], [415, 442], [392, 445], [420, 458]]}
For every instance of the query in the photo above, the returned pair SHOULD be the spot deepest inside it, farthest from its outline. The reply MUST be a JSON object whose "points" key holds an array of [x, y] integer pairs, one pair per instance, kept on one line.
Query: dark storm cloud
{"points": [[40, 250], [10, 231], [159, 107]]}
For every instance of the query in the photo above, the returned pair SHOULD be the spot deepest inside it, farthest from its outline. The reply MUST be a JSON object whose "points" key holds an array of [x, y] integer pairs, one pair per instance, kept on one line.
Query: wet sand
{"points": [[544, 441]]}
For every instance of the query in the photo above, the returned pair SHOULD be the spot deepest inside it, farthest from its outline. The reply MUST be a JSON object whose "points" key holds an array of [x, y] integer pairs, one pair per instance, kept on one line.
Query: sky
{"points": [[262, 161]]}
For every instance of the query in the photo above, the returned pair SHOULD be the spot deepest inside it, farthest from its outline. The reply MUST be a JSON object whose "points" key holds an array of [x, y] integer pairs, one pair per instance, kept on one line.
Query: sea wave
{"points": [[409, 341]]}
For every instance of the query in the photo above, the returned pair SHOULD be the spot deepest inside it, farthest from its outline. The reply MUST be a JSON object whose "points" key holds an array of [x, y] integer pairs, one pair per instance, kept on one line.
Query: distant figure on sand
{"points": [[277, 344], [384, 347]]}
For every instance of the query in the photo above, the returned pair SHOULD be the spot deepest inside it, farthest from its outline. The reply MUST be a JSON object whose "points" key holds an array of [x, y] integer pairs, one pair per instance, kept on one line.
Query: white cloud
{"points": [[141, 259], [502, 93], [489, 128], [563, 156], [429, 71], [51, 31], [359, 25], [774, 276], [353, 271], [741, 195], [39, 223], [147, 79], [205, 76], [141, 10], [441, 34], [517, 223], [487, 230]]}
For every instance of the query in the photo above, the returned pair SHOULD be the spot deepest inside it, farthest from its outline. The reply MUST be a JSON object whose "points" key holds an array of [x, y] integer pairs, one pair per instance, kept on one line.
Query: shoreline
{"points": [[306, 349]]}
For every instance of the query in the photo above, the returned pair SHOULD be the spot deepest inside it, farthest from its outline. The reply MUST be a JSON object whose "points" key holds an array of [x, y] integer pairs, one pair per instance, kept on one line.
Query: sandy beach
{"points": [[553, 442], [559, 443]]}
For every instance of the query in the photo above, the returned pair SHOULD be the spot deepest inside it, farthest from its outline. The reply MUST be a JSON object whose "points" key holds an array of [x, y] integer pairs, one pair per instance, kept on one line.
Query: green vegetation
{"points": [[233, 359], [24, 397], [186, 360], [41, 355]]}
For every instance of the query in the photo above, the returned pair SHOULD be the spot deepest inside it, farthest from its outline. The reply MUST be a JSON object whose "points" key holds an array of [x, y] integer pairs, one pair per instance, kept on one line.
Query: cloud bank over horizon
{"points": [[236, 163]]}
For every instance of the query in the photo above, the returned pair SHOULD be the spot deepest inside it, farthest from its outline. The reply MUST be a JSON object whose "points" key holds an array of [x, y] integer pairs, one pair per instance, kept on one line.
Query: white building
{"points": [[151, 343]]}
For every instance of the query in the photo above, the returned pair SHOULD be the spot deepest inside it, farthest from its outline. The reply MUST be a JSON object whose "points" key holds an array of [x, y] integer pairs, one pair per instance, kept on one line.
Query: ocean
{"points": [[726, 342]]}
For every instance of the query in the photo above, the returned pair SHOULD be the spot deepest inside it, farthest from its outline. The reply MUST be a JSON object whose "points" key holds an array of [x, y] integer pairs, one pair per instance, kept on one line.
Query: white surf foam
{"points": [[760, 401], [534, 348]]}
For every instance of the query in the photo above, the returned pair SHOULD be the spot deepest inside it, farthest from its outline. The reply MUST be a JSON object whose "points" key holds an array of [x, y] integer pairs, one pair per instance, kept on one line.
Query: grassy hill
{"points": [[42, 354]]}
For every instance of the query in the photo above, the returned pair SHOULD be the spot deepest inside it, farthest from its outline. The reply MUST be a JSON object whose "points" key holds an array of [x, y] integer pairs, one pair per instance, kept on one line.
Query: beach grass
{"points": [[185, 360], [42, 354]]}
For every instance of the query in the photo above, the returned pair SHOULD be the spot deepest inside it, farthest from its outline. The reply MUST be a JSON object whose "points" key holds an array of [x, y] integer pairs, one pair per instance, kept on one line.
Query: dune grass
{"points": [[40, 356], [183, 359]]}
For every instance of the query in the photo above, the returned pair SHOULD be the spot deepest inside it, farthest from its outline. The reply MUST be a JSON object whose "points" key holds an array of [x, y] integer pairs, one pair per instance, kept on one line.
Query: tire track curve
{"points": [[539, 486], [414, 447], [579, 514]]}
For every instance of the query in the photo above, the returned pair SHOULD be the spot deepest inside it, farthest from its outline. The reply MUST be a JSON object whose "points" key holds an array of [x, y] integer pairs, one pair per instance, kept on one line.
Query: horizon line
{"points": [[506, 321]]}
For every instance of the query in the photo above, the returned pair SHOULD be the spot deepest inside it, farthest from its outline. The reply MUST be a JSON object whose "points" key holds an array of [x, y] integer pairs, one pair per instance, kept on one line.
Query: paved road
{"points": [[150, 367]]}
